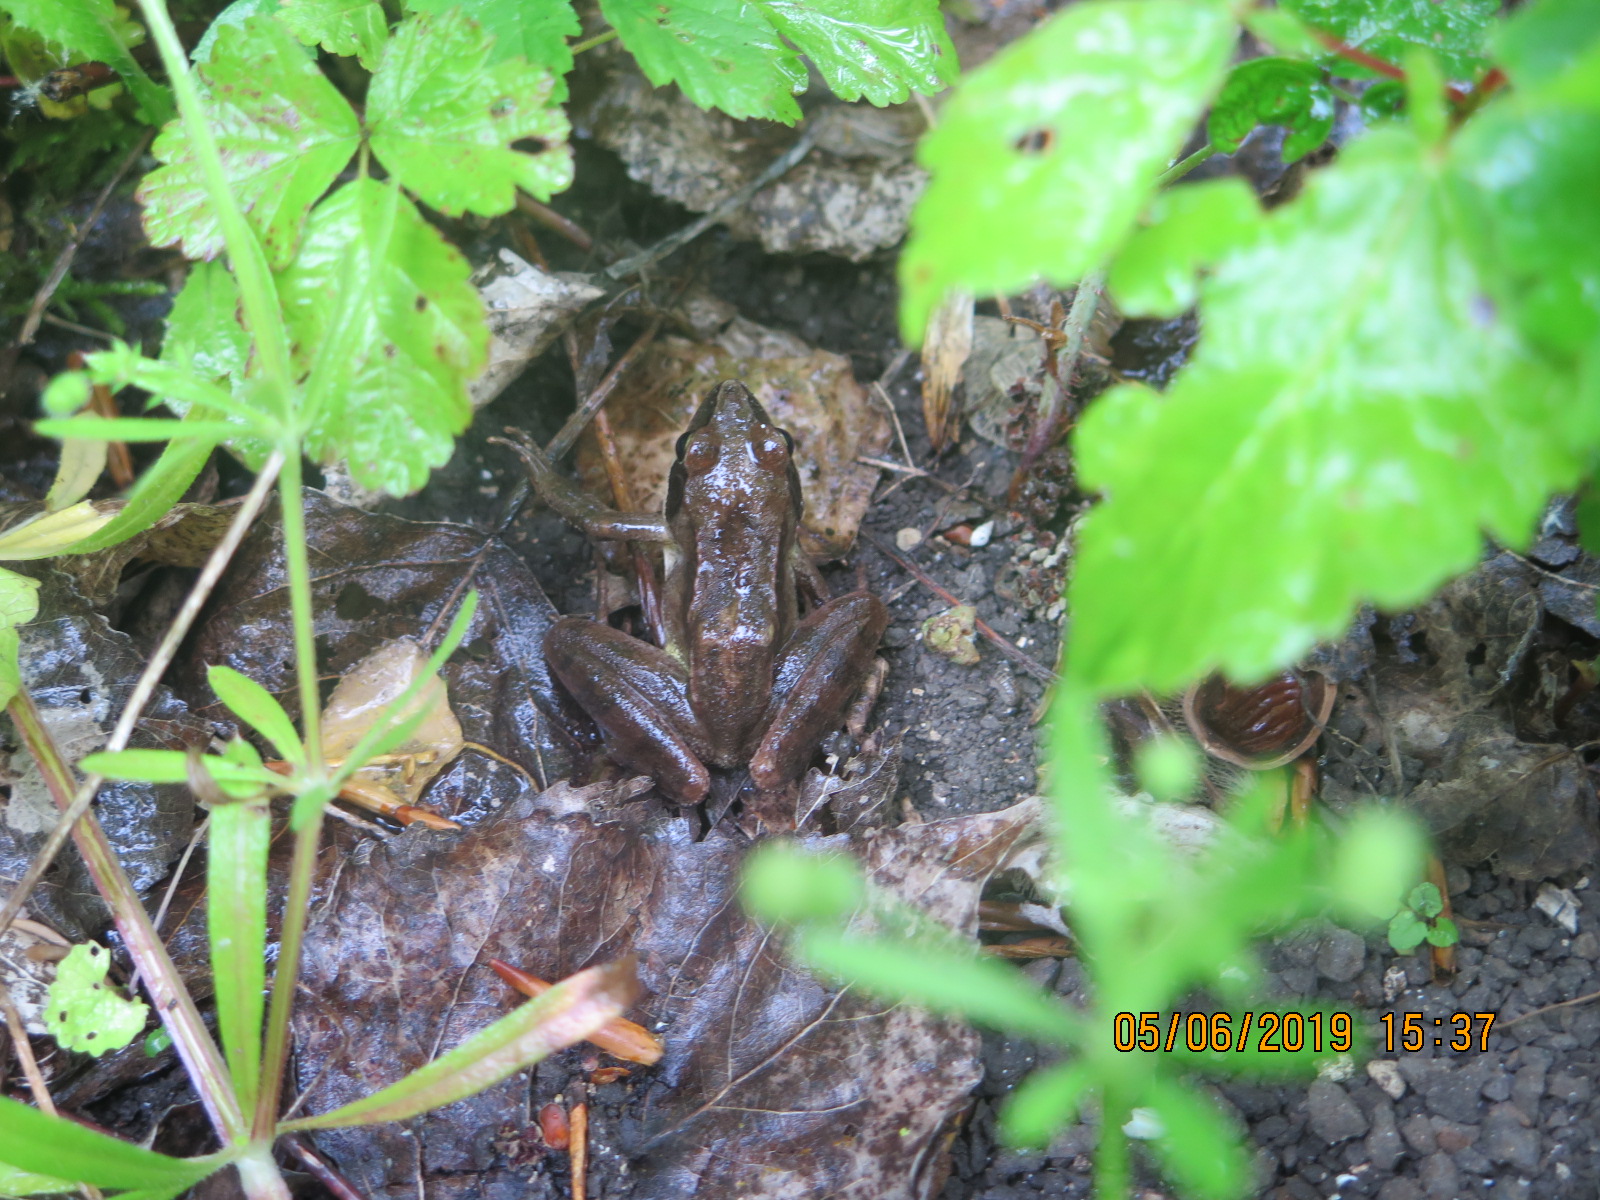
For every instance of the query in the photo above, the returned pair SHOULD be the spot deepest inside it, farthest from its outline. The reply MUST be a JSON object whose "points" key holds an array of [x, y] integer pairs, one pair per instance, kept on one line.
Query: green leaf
{"points": [[83, 1013], [172, 766], [236, 918], [156, 491], [258, 707], [203, 331], [1386, 29], [721, 54], [1380, 852], [567, 1013], [536, 32], [1540, 42], [1199, 1147], [1043, 1103], [1425, 900], [283, 132], [1425, 99], [1443, 932], [1273, 91], [382, 307], [132, 429], [66, 393], [784, 883], [96, 30], [1406, 931], [25, 1183], [32, 1141], [939, 978], [353, 28], [1045, 156], [231, 17], [19, 604], [1529, 174], [882, 50], [1187, 228], [443, 118], [1352, 422]]}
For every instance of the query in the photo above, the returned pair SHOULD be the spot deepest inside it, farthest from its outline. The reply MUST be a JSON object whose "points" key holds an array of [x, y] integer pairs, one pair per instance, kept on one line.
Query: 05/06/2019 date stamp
{"points": [[1293, 1032]]}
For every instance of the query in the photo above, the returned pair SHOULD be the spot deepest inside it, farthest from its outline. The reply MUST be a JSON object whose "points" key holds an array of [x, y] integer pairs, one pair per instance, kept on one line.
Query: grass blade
{"points": [[33, 1141], [236, 883]]}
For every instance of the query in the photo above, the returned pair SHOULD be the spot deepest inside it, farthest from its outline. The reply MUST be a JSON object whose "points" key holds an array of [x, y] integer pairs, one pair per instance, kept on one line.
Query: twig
{"points": [[63, 263], [73, 326], [779, 166], [595, 400], [578, 1123], [321, 1169], [1004, 646], [1387, 69], [1184, 165], [1549, 1008], [551, 219], [24, 1051]]}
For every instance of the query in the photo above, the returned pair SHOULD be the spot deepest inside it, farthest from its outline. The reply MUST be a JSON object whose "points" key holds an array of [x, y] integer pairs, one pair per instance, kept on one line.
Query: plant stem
{"points": [[599, 39], [257, 293], [172, 1000], [1112, 1174], [1181, 168], [259, 1174], [297, 564]]}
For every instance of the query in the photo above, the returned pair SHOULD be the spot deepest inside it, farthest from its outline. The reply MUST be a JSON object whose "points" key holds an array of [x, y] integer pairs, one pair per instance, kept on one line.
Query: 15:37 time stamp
{"points": [[1410, 1032]]}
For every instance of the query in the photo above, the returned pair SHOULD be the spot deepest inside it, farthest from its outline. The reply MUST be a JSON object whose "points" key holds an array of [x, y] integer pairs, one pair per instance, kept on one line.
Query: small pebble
{"points": [[908, 538]]}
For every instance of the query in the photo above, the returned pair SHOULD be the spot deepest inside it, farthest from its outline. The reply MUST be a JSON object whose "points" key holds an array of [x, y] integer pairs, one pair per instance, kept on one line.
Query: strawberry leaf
{"points": [[536, 32], [879, 49], [101, 31], [443, 119], [1353, 421], [1043, 160], [353, 28], [1273, 91], [381, 310], [283, 133], [1386, 29]]}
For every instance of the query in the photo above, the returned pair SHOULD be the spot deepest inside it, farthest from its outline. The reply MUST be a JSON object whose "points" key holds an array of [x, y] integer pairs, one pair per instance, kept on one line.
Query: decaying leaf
{"points": [[771, 1084], [811, 393], [528, 309], [944, 353]]}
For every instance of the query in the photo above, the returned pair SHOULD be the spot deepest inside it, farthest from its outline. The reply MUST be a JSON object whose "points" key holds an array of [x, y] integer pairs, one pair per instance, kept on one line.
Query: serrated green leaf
{"points": [[231, 17], [1198, 1146], [96, 30], [882, 50], [1456, 31], [32, 1141], [722, 55], [1187, 228], [236, 924], [203, 330], [1273, 91], [536, 32], [283, 132], [383, 308], [353, 28], [443, 119], [1352, 422], [84, 1013], [1043, 159], [258, 708]]}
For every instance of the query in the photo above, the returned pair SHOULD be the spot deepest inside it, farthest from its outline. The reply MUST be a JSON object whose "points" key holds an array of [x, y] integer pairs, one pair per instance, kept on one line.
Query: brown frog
{"points": [[741, 680]]}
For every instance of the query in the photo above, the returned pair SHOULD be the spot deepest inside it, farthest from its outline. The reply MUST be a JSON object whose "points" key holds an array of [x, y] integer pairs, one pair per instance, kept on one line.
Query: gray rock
{"points": [[1399, 1189], [1507, 1138], [1439, 1177], [1341, 955], [1418, 1132], [1383, 1146], [1531, 1064], [1334, 1116], [1570, 1087]]}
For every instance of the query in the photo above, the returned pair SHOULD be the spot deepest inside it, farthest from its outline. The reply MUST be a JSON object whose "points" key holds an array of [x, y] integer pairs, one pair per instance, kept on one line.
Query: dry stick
{"points": [[63, 262], [145, 688], [578, 1147], [592, 403], [551, 219], [1010, 651], [779, 166], [1550, 1008], [320, 1168], [24, 1049]]}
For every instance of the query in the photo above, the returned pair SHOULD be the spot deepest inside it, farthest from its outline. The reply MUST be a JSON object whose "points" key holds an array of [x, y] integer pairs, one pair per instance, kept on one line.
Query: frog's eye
{"points": [[772, 449], [700, 455]]}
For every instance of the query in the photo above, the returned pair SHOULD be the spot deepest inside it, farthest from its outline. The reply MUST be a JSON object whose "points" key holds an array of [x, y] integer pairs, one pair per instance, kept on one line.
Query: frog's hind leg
{"points": [[821, 672], [639, 697]]}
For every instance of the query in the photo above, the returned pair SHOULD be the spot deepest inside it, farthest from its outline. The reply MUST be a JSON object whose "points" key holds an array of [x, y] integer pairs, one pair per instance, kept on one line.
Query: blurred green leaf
{"points": [[31, 1141], [1406, 931], [353, 28], [1273, 91], [1199, 1147], [19, 604], [784, 883], [443, 118], [283, 132], [1044, 1102], [940, 978], [1542, 43], [381, 310], [1187, 228], [95, 30], [882, 50], [1425, 900], [1386, 29], [132, 429], [1379, 855], [1351, 391], [1425, 98], [83, 1012], [25, 1183], [1043, 159]]}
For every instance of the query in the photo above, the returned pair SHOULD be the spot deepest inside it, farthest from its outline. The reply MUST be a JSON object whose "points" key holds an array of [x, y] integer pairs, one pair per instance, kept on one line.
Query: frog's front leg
{"points": [[577, 505], [820, 672], [639, 697]]}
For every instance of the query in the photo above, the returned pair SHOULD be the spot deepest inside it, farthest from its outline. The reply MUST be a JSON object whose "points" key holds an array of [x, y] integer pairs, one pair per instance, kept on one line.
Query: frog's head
{"points": [[732, 455]]}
